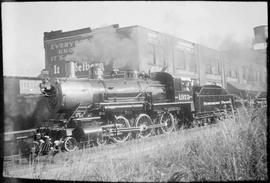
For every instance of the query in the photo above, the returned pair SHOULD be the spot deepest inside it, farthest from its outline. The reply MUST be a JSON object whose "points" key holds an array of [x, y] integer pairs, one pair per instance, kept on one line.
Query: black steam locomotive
{"points": [[96, 111]]}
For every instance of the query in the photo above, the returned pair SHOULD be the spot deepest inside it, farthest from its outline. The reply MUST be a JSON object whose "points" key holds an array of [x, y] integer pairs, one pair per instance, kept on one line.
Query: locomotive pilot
{"points": [[38, 138], [38, 143], [42, 143]]}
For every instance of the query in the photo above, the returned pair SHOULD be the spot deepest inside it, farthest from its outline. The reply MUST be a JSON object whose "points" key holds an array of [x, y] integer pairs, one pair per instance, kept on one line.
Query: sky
{"points": [[207, 23]]}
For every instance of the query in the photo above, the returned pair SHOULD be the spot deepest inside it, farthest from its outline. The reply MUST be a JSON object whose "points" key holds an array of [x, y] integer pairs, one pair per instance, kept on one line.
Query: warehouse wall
{"points": [[142, 49]]}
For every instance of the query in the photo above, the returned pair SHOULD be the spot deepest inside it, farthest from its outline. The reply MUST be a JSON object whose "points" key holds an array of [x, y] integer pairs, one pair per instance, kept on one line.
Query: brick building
{"points": [[139, 48]]}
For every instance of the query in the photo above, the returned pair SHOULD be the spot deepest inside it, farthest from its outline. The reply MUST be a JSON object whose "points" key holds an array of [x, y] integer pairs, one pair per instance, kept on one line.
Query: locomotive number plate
{"points": [[182, 96]]}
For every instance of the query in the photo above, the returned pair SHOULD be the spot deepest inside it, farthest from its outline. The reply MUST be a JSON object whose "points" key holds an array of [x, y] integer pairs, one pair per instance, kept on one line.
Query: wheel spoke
{"points": [[123, 136], [143, 121], [168, 119], [70, 144]]}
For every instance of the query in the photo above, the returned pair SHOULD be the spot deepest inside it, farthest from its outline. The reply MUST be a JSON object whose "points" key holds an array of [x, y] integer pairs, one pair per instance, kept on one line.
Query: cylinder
{"points": [[92, 130]]}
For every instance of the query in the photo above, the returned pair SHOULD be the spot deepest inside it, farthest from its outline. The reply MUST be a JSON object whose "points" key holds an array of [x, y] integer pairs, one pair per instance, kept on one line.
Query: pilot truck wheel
{"points": [[70, 144]]}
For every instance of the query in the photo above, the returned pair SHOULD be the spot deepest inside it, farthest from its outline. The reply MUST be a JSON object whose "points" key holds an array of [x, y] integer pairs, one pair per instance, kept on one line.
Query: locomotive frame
{"points": [[117, 119]]}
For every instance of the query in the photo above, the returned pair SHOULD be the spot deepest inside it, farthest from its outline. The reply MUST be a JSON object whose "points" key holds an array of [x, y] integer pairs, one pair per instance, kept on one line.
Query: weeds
{"points": [[232, 150]]}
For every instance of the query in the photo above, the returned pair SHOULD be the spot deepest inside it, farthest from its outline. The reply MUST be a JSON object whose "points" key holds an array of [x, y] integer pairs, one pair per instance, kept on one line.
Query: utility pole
{"points": [[223, 70]]}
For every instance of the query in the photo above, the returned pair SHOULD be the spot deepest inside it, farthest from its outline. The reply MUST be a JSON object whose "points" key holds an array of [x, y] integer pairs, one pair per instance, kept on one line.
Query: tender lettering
{"points": [[217, 103], [211, 103]]}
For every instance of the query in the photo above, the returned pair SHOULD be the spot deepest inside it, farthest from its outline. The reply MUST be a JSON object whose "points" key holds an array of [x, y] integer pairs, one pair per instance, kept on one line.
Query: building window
{"points": [[208, 68], [227, 71], [219, 65], [215, 66], [245, 72], [231, 71], [234, 73], [257, 76], [214, 69], [154, 54], [212, 65], [190, 58], [151, 53], [160, 56], [250, 74], [180, 62], [262, 77]]}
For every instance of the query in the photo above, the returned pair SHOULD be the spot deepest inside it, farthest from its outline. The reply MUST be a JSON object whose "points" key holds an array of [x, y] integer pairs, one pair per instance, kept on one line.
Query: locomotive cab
{"points": [[183, 89], [168, 81]]}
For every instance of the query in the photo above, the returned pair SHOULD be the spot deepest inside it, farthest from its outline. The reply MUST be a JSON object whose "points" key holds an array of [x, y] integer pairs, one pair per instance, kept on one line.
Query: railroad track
{"points": [[113, 152], [188, 130]]}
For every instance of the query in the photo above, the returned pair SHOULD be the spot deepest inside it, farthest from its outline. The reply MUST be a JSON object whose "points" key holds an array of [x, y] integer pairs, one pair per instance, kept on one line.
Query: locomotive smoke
{"points": [[31, 117], [238, 51], [106, 46], [162, 53]]}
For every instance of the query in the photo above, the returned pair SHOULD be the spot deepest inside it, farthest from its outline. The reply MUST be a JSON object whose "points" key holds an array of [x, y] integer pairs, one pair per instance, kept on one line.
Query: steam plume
{"points": [[106, 47]]}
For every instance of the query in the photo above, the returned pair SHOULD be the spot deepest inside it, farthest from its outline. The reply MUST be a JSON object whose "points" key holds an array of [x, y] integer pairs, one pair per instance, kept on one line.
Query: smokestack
{"points": [[71, 69], [96, 71]]}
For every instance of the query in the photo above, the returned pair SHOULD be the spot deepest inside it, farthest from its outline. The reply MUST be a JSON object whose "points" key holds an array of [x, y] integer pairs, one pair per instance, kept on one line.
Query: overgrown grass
{"points": [[231, 150]]}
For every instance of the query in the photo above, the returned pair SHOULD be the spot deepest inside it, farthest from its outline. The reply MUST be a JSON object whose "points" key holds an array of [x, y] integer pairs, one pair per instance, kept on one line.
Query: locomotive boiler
{"points": [[65, 95]]}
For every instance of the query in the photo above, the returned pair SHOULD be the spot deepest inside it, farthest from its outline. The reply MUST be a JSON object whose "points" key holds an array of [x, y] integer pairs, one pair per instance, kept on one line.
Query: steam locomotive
{"points": [[97, 111]]}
